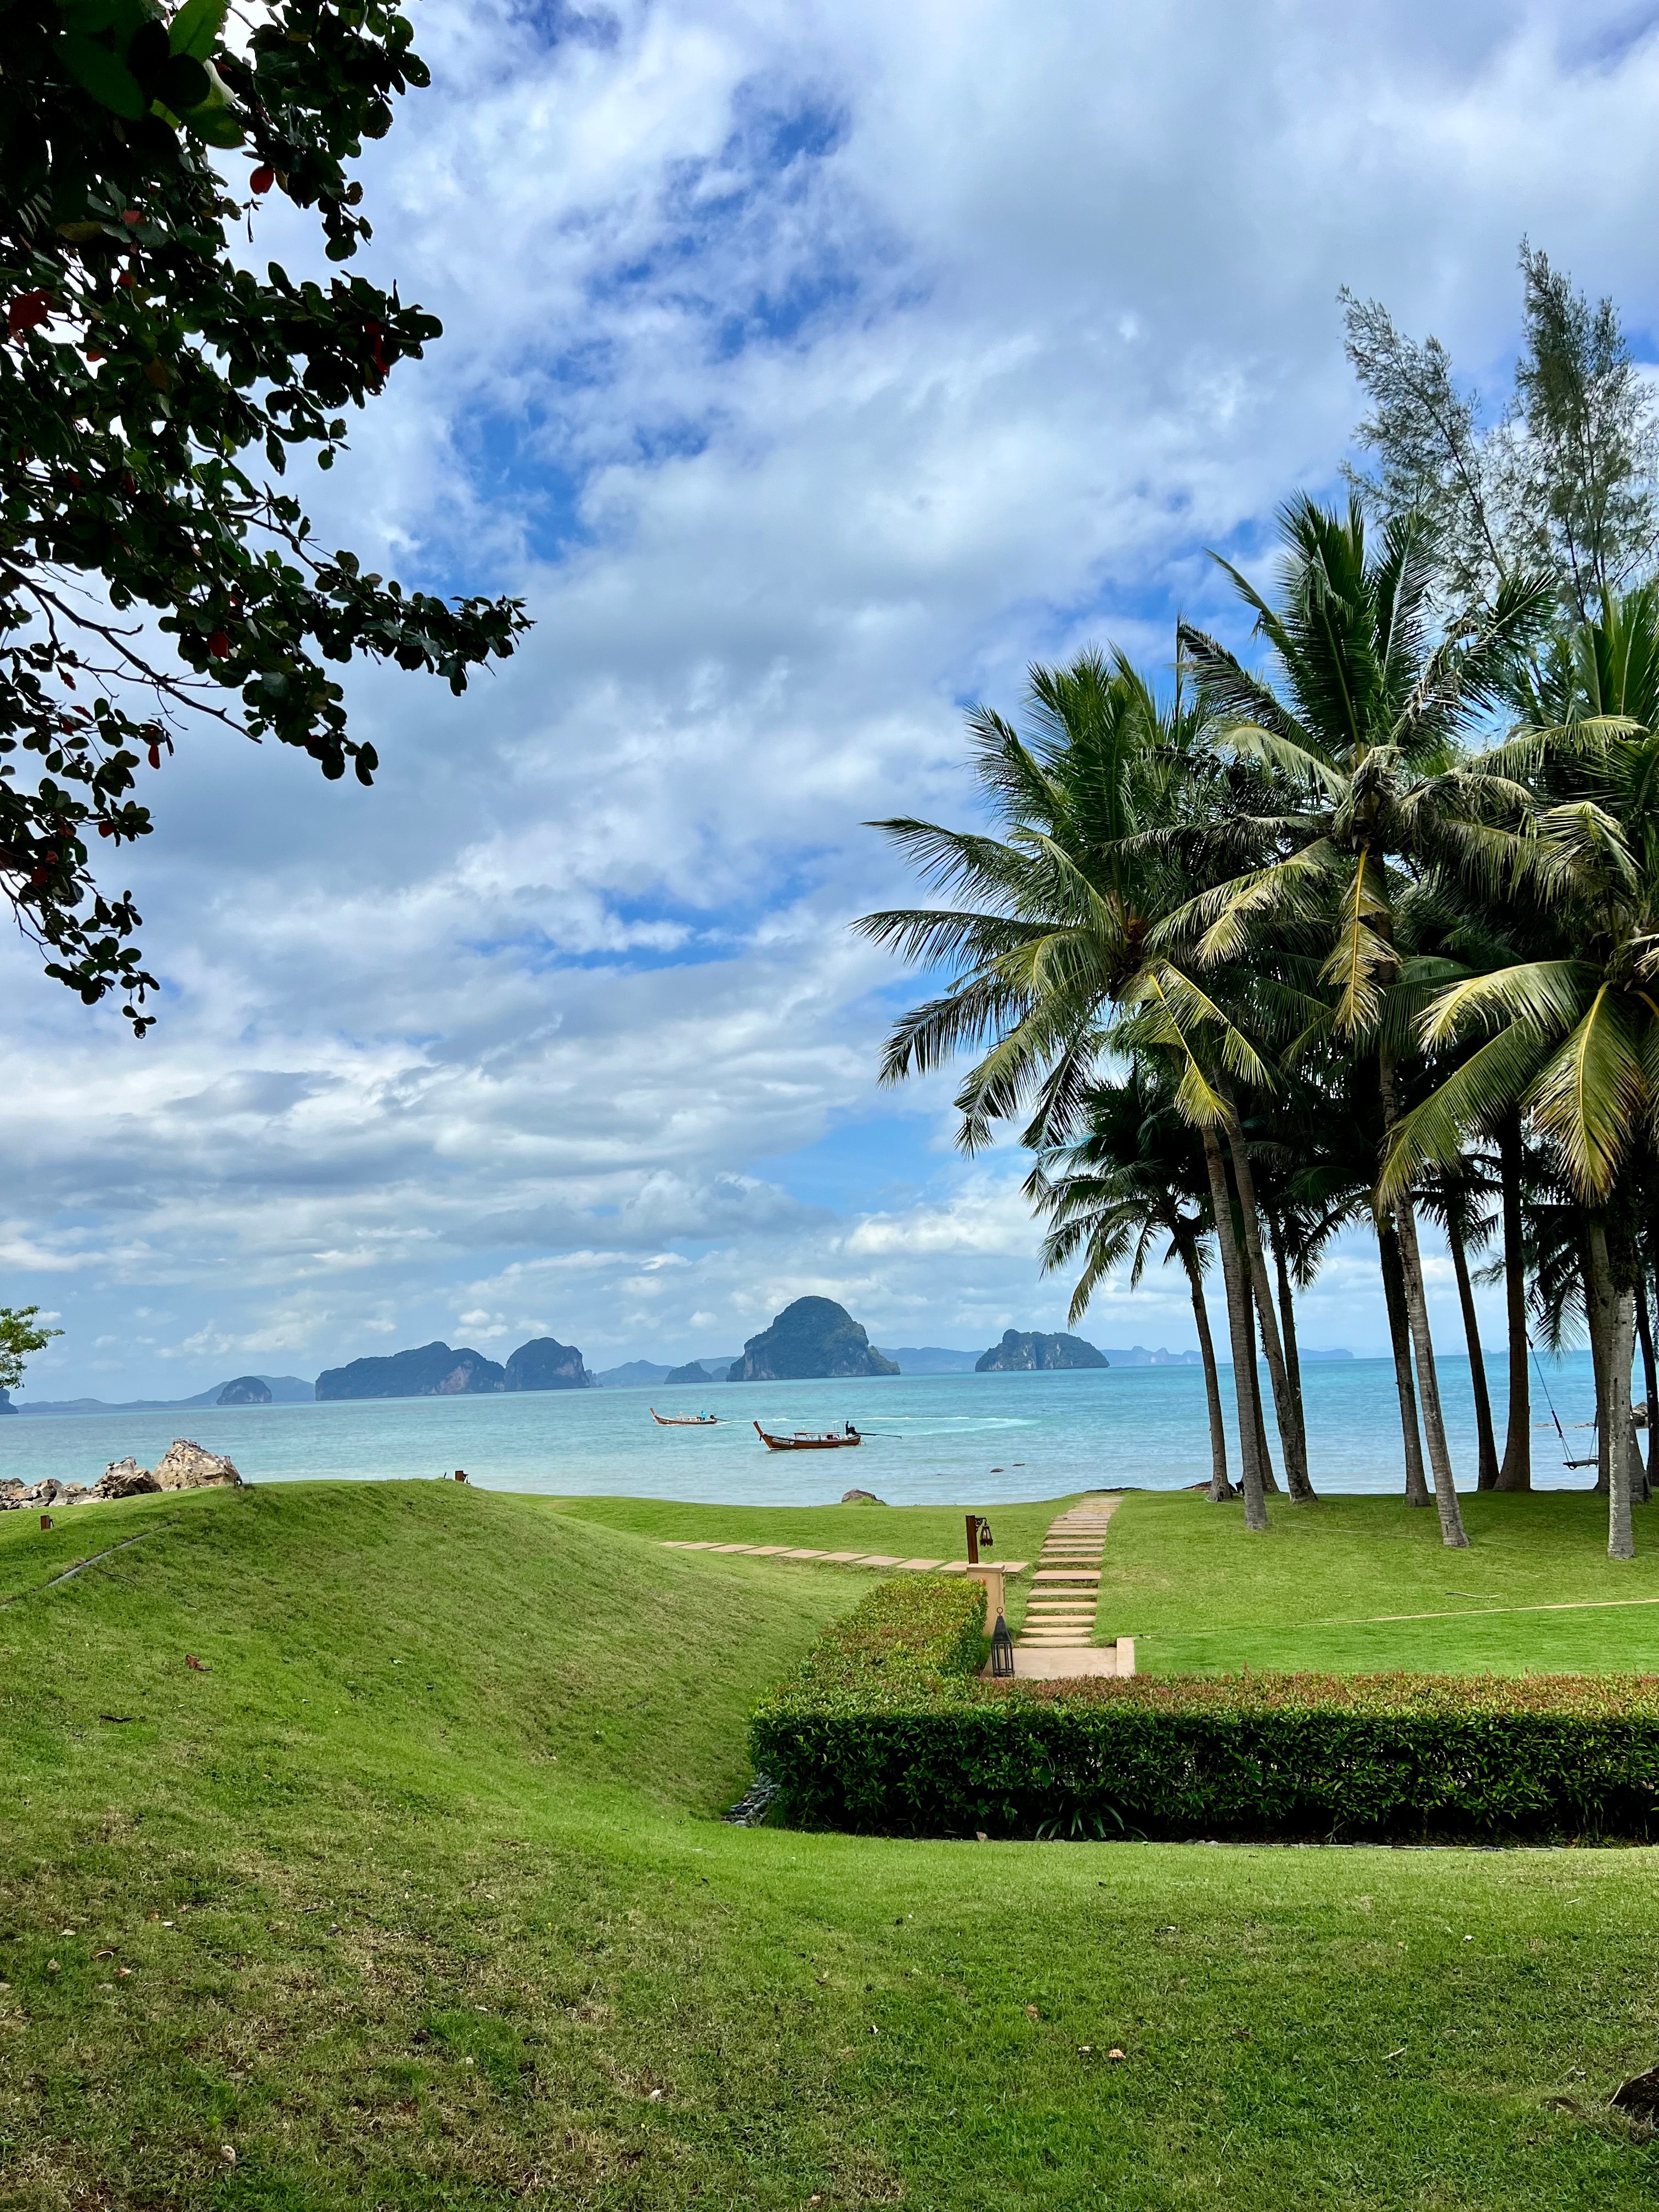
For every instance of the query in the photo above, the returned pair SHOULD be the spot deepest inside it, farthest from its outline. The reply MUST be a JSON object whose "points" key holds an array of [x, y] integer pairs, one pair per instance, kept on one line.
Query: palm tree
{"points": [[1137, 1177], [1363, 735], [1571, 1035], [1453, 1197], [1055, 927]]}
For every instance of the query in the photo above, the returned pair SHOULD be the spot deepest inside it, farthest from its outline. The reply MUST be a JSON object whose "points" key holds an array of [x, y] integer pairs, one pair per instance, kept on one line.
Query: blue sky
{"points": [[809, 371]]}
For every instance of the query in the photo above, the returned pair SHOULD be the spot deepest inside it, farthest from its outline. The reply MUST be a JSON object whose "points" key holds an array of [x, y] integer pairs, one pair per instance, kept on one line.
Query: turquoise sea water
{"points": [[930, 1439]]}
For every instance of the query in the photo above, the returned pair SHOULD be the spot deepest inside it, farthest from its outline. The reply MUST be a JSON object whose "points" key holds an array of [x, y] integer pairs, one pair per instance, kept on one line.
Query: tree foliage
{"points": [[1561, 481], [152, 387], [20, 1334]]}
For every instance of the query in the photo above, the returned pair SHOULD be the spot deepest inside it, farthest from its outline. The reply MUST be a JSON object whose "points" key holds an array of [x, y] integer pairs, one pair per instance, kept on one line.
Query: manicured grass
{"points": [[453, 1926], [1201, 1596], [904, 1532]]}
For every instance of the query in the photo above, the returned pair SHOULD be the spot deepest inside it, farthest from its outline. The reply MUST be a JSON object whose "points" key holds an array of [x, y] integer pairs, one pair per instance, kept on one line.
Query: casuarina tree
{"points": [[155, 574]]}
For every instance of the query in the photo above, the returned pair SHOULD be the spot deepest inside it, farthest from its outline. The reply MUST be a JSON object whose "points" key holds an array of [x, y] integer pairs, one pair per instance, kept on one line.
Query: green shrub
{"points": [[878, 1733], [911, 1631]]}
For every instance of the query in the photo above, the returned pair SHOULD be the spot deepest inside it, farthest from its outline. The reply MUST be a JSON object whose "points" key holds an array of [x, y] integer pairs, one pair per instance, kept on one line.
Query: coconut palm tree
{"points": [[1093, 803], [1570, 1036], [1138, 1176], [1363, 732]]}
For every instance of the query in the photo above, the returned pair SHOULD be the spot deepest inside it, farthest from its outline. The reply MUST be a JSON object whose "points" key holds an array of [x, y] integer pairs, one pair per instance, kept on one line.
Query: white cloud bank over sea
{"points": [[809, 371]]}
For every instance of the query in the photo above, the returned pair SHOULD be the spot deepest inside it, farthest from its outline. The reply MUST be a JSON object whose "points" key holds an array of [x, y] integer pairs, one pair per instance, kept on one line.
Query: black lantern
{"points": [[1002, 1652]]}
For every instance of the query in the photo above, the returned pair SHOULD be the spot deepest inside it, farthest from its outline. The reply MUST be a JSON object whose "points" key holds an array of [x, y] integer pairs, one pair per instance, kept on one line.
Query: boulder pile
{"points": [[183, 1466]]}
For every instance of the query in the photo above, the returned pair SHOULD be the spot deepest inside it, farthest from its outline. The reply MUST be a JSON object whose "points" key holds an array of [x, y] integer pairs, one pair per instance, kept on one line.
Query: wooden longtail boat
{"points": [[805, 1440], [685, 1420]]}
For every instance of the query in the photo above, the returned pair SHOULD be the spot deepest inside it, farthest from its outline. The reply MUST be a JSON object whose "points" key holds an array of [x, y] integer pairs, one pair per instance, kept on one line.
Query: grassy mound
{"points": [[422, 1905]]}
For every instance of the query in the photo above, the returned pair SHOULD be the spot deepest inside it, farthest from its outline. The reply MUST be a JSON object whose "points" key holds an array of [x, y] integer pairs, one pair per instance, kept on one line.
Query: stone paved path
{"points": [[883, 1560], [1060, 1613]]}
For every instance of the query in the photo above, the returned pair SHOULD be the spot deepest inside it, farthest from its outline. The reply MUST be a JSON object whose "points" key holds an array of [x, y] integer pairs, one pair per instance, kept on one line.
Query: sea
{"points": [[928, 1440]]}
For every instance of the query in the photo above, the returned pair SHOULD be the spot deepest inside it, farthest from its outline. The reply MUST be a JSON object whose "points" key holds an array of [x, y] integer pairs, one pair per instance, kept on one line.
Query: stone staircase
{"points": [[1059, 1615]]}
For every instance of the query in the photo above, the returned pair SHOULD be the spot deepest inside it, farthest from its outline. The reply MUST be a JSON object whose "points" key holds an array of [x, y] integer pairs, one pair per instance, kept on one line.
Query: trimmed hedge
{"points": [[886, 1729]]}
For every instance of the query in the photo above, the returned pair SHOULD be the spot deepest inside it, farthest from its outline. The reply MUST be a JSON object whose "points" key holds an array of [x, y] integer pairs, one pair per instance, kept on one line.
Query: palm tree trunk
{"points": [[1269, 1480], [1287, 1322], [1616, 1308], [1286, 1406], [1595, 1320], [1221, 1202], [1650, 1378], [1488, 1476], [1417, 1312], [1515, 1473], [1220, 1489], [1400, 1333]]}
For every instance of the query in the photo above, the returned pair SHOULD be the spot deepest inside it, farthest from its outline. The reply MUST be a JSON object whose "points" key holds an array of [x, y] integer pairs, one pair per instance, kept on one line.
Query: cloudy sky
{"points": [[810, 370]]}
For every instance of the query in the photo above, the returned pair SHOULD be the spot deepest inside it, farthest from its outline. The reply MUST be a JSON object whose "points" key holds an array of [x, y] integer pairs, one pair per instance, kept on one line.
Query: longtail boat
{"points": [[685, 1420], [808, 1440]]}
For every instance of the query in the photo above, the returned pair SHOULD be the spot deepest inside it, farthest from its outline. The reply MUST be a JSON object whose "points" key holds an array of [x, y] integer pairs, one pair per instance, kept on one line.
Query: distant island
{"points": [[637, 1373], [433, 1370], [1029, 1351], [246, 1390], [811, 1339], [545, 1364], [693, 1371], [281, 1389]]}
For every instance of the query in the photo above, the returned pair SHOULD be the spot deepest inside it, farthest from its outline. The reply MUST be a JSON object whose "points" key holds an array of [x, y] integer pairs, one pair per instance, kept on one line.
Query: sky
{"points": [[809, 371]]}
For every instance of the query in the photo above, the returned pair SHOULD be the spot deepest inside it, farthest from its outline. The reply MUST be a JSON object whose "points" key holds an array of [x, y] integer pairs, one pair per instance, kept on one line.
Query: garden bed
{"points": [[889, 1729]]}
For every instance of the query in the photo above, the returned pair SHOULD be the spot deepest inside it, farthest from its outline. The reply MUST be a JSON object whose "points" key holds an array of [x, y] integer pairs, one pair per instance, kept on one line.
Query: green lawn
{"points": [[1201, 1597], [452, 1925]]}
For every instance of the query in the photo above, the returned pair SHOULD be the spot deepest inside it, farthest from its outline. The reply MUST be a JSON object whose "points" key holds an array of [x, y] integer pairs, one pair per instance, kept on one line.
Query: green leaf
{"points": [[184, 84], [217, 125], [86, 18], [196, 28], [110, 82]]}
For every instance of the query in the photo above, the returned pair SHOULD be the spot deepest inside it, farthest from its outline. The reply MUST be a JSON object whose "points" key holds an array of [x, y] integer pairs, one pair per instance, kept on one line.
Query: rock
{"points": [[691, 1372], [246, 1390], [124, 1478], [186, 1466], [757, 1800], [1639, 2095], [432, 1370], [1029, 1351], [862, 1497], [545, 1364], [11, 1493], [812, 1338]]}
